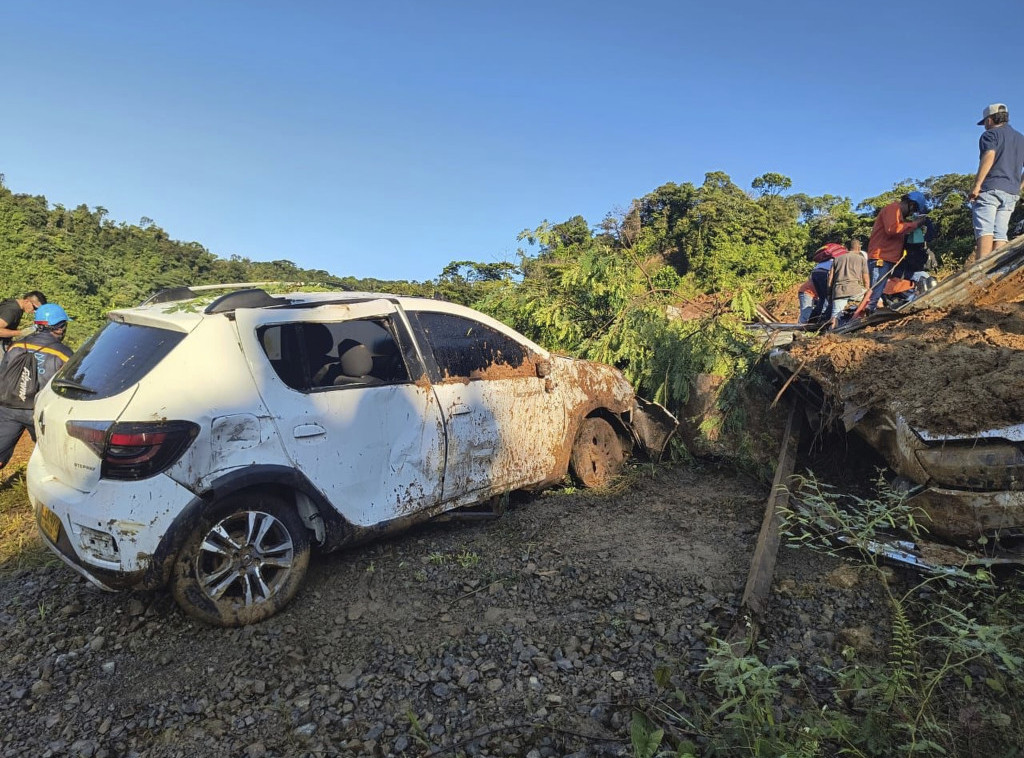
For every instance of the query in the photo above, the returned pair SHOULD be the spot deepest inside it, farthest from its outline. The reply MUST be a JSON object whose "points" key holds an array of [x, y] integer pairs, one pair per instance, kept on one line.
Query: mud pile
{"points": [[953, 371]]}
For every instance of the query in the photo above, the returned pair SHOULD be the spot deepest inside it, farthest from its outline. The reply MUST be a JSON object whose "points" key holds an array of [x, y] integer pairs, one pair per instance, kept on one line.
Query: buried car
{"points": [[937, 388], [209, 445]]}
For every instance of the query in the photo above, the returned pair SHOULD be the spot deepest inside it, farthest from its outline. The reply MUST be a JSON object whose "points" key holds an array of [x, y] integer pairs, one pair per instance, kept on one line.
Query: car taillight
{"points": [[134, 450]]}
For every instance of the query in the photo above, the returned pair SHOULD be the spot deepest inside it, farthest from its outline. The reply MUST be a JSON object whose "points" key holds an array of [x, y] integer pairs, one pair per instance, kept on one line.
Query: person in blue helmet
{"points": [[886, 246], [27, 366]]}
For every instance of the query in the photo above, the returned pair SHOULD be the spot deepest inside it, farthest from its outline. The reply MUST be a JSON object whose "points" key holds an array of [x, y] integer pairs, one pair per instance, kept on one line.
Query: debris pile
{"points": [[948, 371]]}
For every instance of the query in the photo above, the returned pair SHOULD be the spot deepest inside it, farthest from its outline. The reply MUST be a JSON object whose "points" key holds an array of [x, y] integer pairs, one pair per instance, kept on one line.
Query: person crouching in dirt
{"points": [[848, 282], [885, 247], [916, 252], [27, 366]]}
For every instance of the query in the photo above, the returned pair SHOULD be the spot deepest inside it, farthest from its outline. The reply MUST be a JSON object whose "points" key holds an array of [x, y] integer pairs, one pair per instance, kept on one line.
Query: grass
{"points": [[20, 544]]}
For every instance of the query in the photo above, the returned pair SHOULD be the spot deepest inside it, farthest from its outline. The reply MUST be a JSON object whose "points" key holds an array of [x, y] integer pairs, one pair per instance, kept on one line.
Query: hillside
{"points": [[91, 264]]}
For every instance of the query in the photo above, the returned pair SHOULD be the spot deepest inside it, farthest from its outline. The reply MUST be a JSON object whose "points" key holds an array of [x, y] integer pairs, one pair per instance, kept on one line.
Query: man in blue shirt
{"points": [[997, 184]]}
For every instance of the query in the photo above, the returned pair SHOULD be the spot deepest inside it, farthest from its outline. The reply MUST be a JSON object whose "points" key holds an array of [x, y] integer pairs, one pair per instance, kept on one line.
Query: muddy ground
{"points": [[532, 635], [955, 371]]}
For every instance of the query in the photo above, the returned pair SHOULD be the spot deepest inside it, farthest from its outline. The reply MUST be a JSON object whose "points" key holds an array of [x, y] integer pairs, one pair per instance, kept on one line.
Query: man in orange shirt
{"points": [[885, 248]]}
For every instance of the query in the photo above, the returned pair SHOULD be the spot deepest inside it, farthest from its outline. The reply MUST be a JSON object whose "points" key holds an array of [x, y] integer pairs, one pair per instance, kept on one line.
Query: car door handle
{"points": [[305, 431], [460, 409]]}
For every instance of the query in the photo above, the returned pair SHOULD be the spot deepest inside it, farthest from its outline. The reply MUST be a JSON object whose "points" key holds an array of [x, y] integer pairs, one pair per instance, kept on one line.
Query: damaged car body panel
{"points": [[208, 444]]}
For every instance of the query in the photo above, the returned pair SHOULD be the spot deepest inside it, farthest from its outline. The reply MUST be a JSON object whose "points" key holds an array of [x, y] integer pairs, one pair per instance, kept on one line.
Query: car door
{"points": [[506, 427], [374, 444]]}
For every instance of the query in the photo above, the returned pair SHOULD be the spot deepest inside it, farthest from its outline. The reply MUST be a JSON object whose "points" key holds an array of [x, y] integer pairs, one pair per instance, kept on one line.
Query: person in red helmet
{"points": [[27, 366]]}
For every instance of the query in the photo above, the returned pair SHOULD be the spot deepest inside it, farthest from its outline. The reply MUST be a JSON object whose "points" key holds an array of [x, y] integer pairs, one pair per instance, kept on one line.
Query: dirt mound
{"points": [[785, 305], [955, 371]]}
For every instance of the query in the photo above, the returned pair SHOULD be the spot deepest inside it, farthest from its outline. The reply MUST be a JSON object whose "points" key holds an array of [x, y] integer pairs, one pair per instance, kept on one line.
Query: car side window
{"points": [[463, 349], [311, 356]]}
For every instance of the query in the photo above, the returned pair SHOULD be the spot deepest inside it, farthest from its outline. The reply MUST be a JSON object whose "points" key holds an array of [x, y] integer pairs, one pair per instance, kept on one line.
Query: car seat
{"points": [[318, 343]]}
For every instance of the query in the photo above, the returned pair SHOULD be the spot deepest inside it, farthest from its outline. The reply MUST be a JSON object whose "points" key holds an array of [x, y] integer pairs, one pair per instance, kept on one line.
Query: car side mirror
{"points": [[543, 368]]}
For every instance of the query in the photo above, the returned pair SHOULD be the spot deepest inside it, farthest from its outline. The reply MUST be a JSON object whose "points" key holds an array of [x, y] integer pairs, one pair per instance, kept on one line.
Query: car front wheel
{"points": [[597, 454], [245, 560]]}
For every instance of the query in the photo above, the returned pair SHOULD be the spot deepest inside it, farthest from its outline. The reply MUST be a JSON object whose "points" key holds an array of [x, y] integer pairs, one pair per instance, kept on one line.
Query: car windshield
{"points": [[115, 358]]}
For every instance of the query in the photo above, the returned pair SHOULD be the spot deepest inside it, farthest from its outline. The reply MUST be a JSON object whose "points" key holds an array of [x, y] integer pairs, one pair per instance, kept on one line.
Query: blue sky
{"points": [[386, 139]]}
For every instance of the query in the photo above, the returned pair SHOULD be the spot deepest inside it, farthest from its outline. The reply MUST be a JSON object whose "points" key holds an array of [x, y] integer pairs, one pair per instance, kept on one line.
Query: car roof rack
{"points": [[248, 298], [173, 294]]}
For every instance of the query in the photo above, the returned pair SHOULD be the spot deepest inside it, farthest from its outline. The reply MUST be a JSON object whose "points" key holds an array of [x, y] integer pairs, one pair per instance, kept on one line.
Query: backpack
{"points": [[19, 378]]}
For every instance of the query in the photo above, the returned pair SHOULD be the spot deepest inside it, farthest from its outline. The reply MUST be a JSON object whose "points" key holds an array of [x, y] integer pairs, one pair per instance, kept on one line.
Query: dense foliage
{"points": [[663, 289], [90, 264]]}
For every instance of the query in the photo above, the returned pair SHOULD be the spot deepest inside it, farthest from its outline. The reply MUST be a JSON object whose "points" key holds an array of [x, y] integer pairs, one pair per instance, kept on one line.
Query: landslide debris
{"points": [[948, 371]]}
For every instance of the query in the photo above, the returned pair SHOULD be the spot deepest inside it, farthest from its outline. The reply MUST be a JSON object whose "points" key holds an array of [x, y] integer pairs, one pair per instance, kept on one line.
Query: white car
{"points": [[209, 444]]}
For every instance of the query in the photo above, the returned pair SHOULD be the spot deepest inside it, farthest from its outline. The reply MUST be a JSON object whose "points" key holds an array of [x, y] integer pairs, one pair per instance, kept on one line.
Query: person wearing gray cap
{"points": [[997, 185]]}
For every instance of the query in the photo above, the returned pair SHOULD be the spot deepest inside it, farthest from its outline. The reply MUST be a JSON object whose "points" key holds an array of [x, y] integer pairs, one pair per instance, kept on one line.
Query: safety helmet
{"points": [[919, 199], [51, 315], [828, 252]]}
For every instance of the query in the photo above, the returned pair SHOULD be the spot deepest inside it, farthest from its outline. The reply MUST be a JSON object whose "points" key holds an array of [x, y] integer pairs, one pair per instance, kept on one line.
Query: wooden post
{"points": [[754, 604]]}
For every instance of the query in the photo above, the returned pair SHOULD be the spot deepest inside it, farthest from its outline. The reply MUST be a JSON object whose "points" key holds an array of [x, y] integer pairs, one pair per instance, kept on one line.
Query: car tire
{"points": [[598, 454], [243, 562]]}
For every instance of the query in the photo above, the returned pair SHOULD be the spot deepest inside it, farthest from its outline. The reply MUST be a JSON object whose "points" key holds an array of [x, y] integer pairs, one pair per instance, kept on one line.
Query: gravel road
{"points": [[531, 635]]}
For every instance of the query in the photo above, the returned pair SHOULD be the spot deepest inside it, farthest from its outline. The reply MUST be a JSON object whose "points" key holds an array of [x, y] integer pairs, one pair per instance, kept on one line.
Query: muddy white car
{"points": [[209, 445]]}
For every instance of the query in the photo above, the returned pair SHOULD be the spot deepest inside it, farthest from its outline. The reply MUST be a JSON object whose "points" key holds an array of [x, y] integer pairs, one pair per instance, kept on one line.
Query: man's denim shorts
{"points": [[991, 213]]}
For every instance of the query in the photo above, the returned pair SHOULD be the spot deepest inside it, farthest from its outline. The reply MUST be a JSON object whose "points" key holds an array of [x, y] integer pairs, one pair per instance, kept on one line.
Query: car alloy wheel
{"points": [[243, 563]]}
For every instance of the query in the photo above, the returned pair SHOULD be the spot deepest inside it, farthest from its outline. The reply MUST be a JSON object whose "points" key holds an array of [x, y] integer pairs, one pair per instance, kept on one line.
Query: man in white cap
{"points": [[997, 184]]}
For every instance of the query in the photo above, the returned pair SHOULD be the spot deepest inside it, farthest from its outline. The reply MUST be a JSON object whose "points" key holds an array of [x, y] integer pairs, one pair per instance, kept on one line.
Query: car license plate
{"points": [[49, 522]]}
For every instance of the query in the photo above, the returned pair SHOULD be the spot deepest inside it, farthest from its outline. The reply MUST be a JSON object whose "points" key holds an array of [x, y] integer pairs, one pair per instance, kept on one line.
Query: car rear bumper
{"points": [[133, 517]]}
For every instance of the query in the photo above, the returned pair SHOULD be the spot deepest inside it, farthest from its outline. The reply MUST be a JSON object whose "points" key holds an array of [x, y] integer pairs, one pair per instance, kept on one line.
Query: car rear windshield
{"points": [[115, 358]]}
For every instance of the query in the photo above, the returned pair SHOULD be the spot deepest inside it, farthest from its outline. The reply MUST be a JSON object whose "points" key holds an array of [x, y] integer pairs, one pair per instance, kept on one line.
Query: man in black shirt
{"points": [[11, 311]]}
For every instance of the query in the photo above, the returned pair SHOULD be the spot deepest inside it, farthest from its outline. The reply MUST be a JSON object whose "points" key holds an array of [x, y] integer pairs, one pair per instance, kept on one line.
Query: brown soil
{"points": [[785, 305], [462, 625], [701, 306], [953, 371]]}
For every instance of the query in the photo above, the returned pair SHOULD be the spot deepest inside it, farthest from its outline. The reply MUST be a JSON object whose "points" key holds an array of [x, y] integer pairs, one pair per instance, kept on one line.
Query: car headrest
{"points": [[357, 361]]}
